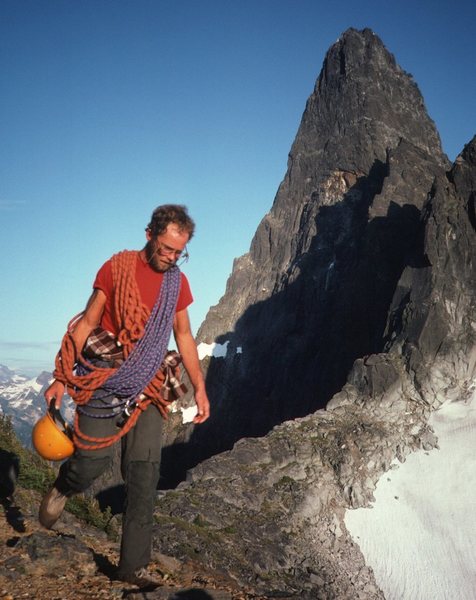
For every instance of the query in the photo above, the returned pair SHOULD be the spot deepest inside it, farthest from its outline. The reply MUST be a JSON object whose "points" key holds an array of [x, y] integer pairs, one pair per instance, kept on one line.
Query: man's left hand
{"points": [[203, 406]]}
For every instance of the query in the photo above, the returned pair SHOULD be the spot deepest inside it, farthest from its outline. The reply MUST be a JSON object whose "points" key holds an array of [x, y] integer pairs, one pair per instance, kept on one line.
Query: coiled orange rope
{"points": [[132, 316]]}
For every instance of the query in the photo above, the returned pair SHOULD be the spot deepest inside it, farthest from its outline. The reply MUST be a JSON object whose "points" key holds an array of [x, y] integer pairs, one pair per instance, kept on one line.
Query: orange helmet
{"points": [[50, 436]]}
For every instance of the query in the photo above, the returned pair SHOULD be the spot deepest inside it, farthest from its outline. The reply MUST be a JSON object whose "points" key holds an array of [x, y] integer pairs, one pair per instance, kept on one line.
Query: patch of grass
{"points": [[37, 474], [229, 530], [201, 529], [199, 521], [88, 510], [34, 473]]}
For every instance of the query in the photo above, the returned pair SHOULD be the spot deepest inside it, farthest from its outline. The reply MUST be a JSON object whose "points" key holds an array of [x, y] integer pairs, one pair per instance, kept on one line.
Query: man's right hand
{"points": [[55, 392]]}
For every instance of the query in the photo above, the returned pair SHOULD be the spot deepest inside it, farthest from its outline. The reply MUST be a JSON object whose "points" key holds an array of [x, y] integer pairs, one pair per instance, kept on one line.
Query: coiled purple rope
{"points": [[138, 370]]}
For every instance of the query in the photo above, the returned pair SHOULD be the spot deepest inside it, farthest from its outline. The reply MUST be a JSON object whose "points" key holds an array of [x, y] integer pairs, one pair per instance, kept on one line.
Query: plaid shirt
{"points": [[102, 344]]}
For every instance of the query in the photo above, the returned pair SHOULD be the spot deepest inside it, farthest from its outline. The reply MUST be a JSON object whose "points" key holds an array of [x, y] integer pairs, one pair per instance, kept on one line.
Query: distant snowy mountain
{"points": [[6, 374], [21, 398]]}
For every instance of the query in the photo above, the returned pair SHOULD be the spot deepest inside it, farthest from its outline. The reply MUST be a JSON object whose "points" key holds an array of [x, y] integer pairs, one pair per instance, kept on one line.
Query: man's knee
{"points": [[78, 473]]}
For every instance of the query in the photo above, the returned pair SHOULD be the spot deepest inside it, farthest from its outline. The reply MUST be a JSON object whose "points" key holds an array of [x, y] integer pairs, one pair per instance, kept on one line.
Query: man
{"points": [[138, 298]]}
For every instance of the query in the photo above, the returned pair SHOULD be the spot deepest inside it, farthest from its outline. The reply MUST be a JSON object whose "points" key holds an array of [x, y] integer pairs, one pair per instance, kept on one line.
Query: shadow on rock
{"points": [[104, 565], [113, 498], [9, 471]]}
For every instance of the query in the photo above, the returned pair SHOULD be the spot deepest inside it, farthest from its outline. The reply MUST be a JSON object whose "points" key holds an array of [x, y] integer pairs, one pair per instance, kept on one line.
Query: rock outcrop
{"points": [[76, 561], [358, 292], [432, 320]]}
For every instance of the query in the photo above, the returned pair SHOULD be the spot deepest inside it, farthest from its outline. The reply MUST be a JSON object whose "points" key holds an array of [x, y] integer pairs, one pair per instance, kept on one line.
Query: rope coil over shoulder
{"points": [[143, 338]]}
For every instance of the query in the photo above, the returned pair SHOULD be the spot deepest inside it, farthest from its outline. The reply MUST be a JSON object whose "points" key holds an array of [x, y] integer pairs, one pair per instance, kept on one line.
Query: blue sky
{"points": [[110, 108]]}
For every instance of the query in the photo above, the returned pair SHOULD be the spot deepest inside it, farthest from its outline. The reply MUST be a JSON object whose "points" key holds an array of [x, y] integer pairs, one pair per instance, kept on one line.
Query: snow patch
{"points": [[34, 385], [214, 349], [418, 537], [188, 414]]}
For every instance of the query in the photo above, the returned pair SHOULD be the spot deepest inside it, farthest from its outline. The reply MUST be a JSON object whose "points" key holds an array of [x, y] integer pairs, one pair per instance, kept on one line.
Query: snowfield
{"points": [[420, 534]]}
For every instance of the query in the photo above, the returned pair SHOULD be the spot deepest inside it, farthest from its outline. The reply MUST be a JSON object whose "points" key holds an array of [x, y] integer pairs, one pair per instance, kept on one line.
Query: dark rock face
{"points": [[432, 320], [313, 293], [359, 291]]}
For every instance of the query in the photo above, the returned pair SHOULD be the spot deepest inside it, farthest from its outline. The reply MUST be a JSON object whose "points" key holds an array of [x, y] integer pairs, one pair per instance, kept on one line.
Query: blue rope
{"points": [[138, 370]]}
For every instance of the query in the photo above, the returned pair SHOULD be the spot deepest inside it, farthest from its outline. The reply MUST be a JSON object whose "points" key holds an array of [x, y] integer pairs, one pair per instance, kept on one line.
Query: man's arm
{"points": [[90, 319], [188, 349]]}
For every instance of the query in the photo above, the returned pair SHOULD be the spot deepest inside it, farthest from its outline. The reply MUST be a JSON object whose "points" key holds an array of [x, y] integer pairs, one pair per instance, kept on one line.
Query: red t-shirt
{"points": [[149, 282]]}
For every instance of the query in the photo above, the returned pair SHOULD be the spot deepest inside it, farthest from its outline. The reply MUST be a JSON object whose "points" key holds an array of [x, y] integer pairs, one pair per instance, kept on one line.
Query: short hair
{"points": [[171, 213]]}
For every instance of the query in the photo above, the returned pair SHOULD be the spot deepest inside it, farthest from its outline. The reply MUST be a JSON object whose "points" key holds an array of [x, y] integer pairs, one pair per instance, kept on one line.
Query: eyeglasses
{"points": [[180, 256]]}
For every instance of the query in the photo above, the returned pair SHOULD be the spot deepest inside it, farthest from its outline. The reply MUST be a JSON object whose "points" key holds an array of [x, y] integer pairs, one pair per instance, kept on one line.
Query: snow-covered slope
{"points": [[419, 535]]}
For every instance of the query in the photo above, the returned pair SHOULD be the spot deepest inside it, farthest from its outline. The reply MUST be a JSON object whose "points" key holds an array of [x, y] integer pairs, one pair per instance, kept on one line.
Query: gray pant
{"points": [[140, 466]]}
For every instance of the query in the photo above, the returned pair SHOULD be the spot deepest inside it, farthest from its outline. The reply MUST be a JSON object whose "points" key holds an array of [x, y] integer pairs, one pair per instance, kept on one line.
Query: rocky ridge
{"points": [[76, 561], [270, 512]]}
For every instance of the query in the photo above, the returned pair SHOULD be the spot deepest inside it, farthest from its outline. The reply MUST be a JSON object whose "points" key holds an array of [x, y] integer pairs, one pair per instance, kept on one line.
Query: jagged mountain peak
{"points": [[314, 291], [6, 374], [363, 107], [363, 96]]}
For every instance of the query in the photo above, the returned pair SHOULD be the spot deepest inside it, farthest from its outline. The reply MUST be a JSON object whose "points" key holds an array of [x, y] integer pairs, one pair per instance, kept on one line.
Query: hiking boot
{"points": [[51, 508], [141, 578]]}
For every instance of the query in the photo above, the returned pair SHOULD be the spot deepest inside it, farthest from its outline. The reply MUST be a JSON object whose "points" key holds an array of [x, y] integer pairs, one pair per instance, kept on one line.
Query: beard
{"points": [[154, 259]]}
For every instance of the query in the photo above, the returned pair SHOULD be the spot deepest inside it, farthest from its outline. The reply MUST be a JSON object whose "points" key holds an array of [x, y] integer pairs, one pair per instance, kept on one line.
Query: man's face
{"points": [[164, 250]]}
